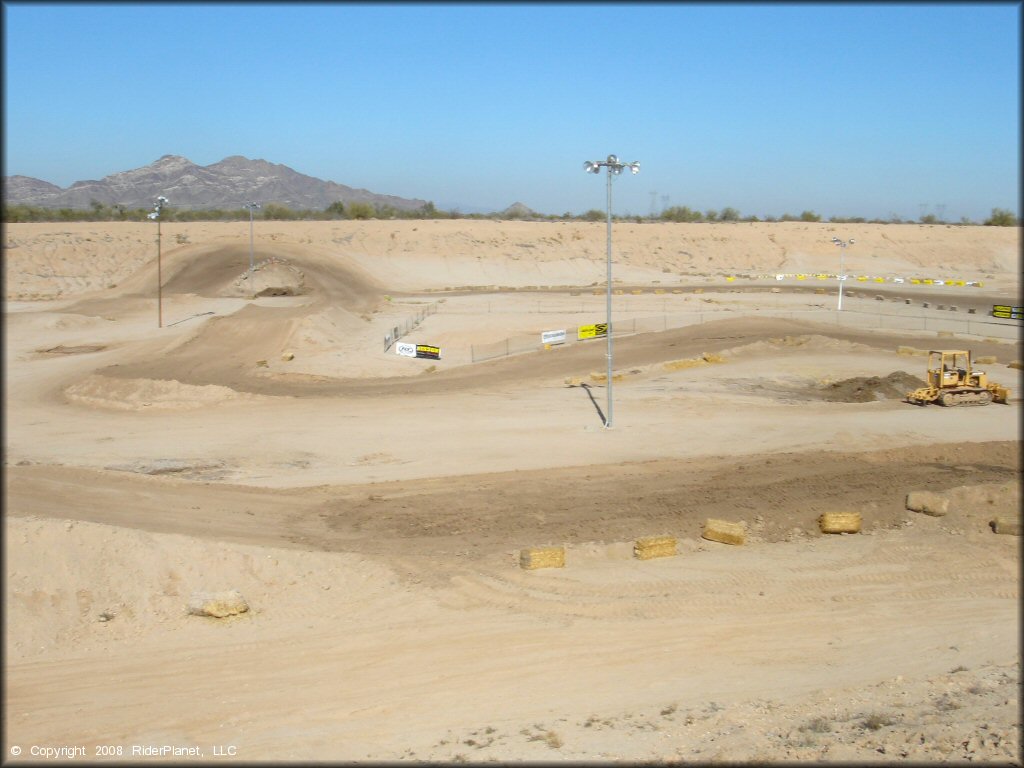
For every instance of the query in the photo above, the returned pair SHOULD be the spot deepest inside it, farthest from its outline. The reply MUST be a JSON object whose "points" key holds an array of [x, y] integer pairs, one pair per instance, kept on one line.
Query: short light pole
{"points": [[157, 210], [842, 269], [614, 169], [252, 207]]}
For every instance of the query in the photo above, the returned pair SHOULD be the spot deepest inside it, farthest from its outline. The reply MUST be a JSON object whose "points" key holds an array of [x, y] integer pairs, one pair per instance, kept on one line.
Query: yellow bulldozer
{"points": [[952, 380]]}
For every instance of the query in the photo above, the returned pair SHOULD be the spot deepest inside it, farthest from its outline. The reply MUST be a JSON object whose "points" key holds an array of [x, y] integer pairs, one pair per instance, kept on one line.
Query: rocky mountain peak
{"points": [[226, 184]]}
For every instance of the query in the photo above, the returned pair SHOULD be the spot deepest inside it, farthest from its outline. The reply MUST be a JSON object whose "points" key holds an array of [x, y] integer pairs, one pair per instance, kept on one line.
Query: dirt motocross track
{"points": [[372, 510]]}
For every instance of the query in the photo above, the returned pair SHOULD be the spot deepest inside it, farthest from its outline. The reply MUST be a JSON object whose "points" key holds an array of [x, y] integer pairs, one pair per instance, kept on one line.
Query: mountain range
{"points": [[228, 184]]}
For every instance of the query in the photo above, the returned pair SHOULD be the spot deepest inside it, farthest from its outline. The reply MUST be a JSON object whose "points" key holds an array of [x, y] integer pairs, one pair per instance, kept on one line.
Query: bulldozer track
{"points": [[961, 399]]}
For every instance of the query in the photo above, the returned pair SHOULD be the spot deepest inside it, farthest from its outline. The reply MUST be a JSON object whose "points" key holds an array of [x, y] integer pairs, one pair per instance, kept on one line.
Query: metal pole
{"points": [[608, 318], [250, 247], [159, 280], [842, 276]]}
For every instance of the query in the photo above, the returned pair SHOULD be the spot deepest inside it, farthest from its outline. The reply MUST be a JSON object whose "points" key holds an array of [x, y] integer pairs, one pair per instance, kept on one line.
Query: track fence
{"points": [[978, 326], [407, 325]]}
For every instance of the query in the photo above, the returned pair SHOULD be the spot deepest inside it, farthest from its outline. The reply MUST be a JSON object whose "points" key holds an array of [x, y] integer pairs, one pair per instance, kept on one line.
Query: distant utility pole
{"points": [[842, 245], [615, 167], [252, 207], [664, 203], [158, 209], [941, 211]]}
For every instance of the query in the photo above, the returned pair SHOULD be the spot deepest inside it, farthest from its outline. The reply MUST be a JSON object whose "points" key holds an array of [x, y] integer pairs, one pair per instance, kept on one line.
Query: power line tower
{"points": [[940, 209]]}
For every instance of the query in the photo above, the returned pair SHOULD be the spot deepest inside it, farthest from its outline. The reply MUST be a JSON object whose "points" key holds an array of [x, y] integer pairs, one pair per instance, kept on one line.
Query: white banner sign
{"points": [[407, 350], [552, 337]]}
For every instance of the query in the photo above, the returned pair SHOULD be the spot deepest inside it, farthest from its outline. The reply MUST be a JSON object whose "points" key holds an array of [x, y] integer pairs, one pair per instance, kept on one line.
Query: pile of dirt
{"points": [[136, 394], [271, 277], [866, 389]]}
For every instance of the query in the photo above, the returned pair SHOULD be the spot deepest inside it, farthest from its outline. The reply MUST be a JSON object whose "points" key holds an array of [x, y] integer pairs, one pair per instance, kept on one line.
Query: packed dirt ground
{"points": [[251, 435]]}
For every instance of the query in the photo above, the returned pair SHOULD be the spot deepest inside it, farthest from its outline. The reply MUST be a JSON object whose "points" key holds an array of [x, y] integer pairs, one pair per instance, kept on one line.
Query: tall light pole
{"points": [[842, 269], [252, 207], [614, 169], [157, 210]]}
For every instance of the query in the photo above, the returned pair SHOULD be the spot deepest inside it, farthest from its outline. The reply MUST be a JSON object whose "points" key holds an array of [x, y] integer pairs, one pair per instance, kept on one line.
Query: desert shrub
{"points": [[360, 211], [817, 725], [877, 720], [1002, 218]]}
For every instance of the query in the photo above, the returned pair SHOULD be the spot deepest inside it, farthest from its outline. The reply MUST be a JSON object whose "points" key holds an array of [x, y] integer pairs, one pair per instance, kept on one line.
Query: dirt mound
{"points": [[273, 277], [137, 394], [866, 389], [807, 342]]}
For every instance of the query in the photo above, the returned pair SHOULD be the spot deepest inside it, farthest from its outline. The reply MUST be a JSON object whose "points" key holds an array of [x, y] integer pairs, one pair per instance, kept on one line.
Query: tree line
{"points": [[97, 211]]}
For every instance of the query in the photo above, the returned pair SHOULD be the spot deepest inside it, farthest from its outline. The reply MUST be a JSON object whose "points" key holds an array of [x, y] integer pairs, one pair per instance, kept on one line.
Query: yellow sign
{"points": [[1004, 310], [592, 331]]}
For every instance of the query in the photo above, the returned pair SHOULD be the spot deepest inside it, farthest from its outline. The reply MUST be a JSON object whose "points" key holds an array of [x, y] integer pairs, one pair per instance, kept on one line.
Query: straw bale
{"points": [[945, 334], [928, 502], [985, 359], [724, 531], [542, 557], [217, 604], [909, 351], [1007, 525], [1015, 364], [840, 522], [287, 356], [679, 365], [654, 546]]}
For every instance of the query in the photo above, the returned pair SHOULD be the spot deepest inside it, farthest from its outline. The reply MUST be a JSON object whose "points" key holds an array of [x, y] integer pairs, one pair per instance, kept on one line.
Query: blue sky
{"points": [[843, 109]]}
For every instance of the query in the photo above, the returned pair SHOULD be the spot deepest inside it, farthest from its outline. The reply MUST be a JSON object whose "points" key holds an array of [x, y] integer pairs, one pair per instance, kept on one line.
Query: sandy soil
{"points": [[371, 508]]}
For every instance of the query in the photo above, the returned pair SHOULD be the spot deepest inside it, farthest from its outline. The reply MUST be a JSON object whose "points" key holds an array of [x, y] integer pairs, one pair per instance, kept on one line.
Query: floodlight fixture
{"points": [[615, 168]]}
